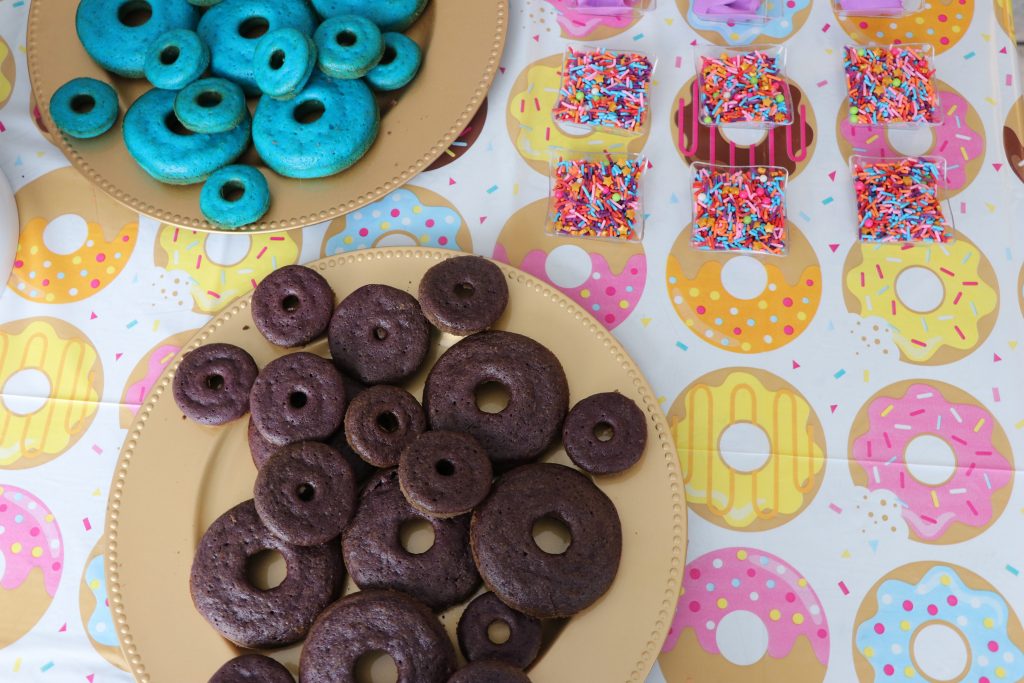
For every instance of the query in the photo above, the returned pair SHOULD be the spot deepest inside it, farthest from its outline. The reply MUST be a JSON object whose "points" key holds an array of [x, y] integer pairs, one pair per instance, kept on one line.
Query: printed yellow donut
{"points": [[51, 380], [574, 24], [940, 23], [1004, 17], [221, 267], [146, 373], [75, 240], [744, 303], [751, 447], [95, 609], [939, 301], [7, 72], [1013, 138], [531, 128]]}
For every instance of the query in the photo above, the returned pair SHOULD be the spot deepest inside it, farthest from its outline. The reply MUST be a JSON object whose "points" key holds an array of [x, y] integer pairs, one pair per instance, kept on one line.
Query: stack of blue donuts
{"points": [[312, 68]]}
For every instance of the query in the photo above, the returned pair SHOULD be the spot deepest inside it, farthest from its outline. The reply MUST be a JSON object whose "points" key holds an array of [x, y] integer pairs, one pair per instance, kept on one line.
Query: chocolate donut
{"points": [[441, 577], [305, 493], [292, 306], [212, 383], [298, 397], [463, 295], [489, 672], [512, 564], [377, 621], [625, 422], [379, 335], [525, 633], [445, 474], [241, 612], [537, 389], [252, 669], [381, 422]]}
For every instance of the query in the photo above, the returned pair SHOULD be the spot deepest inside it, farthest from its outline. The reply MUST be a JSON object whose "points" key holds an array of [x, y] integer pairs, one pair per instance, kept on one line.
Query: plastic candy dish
{"points": [[607, 90], [891, 85], [897, 199], [739, 208], [596, 195], [743, 87]]}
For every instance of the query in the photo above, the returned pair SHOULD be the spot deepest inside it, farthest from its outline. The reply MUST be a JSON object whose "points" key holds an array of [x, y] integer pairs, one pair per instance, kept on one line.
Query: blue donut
{"points": [[117, 33], [348, 46], [175, 59], [284, 62], [346, 127], [84, 107], [234, 196], [232, 28], [211, 105], [389, 15], [168, 151], [399, 65]]}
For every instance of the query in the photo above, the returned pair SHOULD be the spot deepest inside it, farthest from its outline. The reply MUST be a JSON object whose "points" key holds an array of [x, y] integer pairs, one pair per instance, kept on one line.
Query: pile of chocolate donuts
{"points": [[347, 458], [314, 70]]}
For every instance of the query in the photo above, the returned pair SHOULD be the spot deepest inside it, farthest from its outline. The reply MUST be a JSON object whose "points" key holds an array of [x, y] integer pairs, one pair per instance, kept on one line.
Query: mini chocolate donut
{"points": [[515, 568], [441, 577], [538, 395], [377, 621], [524, 640], [212, 383], [306, 493], [298, 397], [259, 448], [379, 335], [252, 669], [610, 411], [463, 295], [489, 672], [381, 422], [292, 306], [444, 474], [241, 612]]}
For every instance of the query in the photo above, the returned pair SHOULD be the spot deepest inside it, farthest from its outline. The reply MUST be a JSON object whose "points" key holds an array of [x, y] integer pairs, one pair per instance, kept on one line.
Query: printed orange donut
{"points": [[95, 609], [51, 383], [576, 25], [533, 131], [467, 138], [146, 372], [1013, 138], [744, 303], [752, 448], [790, 147], [75, 240], [940, 23], [1004, 17], [607, 279], [779, 28], [8, 72]]}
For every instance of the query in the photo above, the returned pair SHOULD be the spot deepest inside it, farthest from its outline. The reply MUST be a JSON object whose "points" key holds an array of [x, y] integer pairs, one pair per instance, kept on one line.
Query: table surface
{"points": [[849, 418]]}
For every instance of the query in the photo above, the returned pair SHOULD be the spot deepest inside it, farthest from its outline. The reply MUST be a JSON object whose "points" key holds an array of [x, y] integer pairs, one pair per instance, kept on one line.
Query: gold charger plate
{"points": [[462, 42], [175, 477]]}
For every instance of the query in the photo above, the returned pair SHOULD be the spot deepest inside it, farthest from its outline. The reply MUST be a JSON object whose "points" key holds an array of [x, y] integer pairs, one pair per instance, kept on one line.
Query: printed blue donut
{"points": [[283, 63], [234, 196], [348, 46], [211, 105], [389, 15], [399, 65], [175, 59], [116, 33], [84, 107], [175, 155], [232, 29], [347, 125]]}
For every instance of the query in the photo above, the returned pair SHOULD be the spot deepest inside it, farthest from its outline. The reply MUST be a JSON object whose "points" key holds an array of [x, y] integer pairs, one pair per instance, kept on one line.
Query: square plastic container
{"points": [[723, 228], [580, 204], [610, 7], [900, 231], [584, 106], [857, 117], [876, 8], [726, 57], [737, 11]]}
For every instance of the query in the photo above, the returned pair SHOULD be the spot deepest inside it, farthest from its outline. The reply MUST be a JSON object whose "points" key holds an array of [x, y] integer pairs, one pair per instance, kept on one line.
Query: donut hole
{"points": [[445, 467], [215, 382], [345, 39], [930, 460], [305, 492], [940, 652], [174, 125], [276, 59], [498, 631], [169, 55], [298, 399], [604, 432], [232, 191], [376, 666], [308, 111], [920, 289], [290, 303], [208, 99], [491, 397], [134, 13], [266, 570], [253, 27], [742, 638], [387, 422], [82, 104], [551, 535], [380, 334], [389, 55], [464, 290], [416, 536], [744, 447], [25, 392]]}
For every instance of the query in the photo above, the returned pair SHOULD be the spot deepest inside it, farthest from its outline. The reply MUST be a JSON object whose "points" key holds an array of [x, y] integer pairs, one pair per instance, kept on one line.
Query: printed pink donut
{"points": [[146, 373], [939, 452]]}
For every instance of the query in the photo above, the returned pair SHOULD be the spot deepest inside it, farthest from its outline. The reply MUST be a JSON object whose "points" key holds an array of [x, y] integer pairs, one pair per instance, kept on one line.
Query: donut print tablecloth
{"points": [[849, 418]]}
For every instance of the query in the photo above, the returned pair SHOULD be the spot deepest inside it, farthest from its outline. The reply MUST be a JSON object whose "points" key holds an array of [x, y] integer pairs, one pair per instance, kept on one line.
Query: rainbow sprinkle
{"points": [[739, 209], [597, 198], [897, 201], [890, 85], [746, 87], [604, 88]]}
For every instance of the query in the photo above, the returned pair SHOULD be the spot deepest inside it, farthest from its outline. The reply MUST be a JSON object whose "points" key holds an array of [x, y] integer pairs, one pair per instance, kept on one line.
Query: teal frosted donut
{"points": [[348, 46], [117, 33], [175, 59], [401, 60], [84, 107], [327, 127], [211, 105], [232, 29], [234, 196], [283, 63], [389, 15], [171, 153], [204, 3]]}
